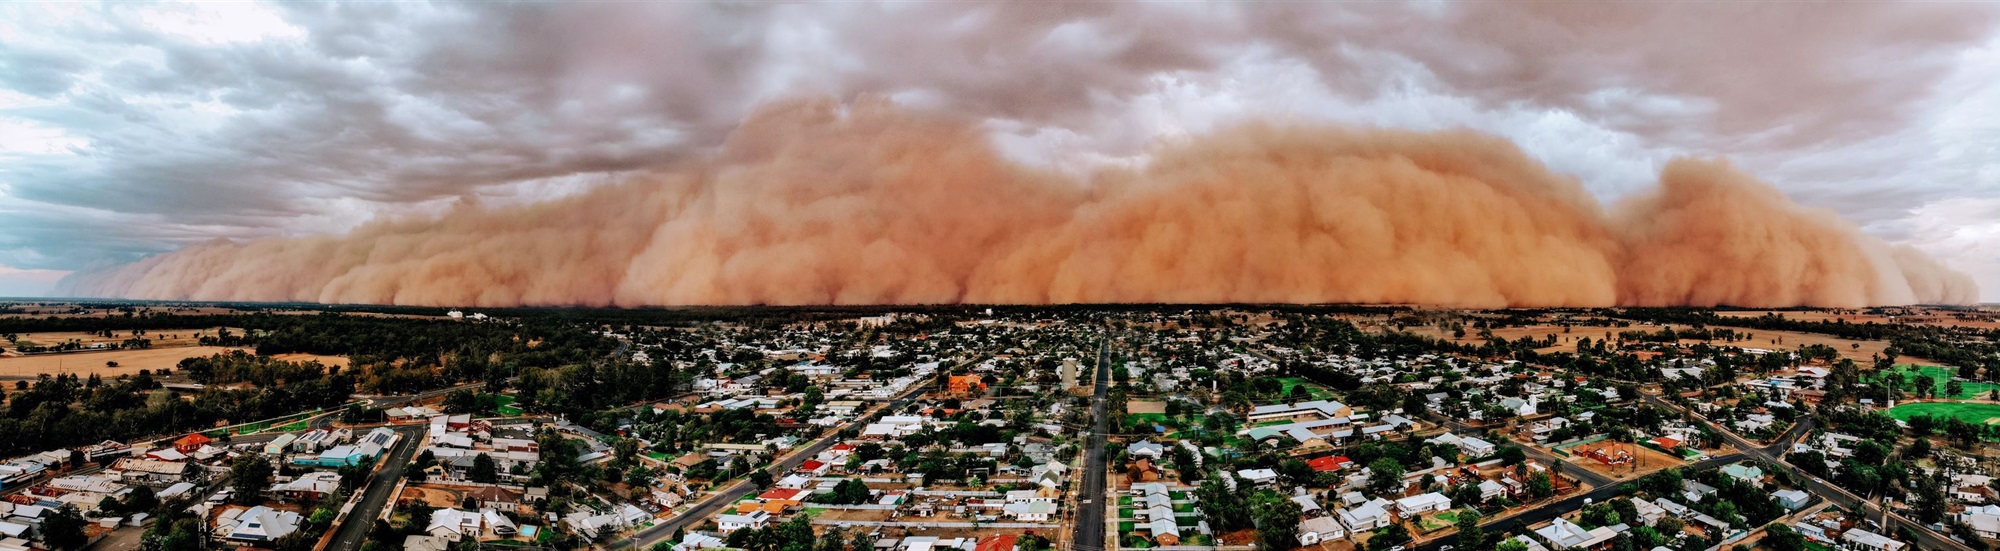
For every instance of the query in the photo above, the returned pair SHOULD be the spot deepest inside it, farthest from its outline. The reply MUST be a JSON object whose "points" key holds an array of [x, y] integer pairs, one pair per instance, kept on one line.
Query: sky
{"points": [[129, 129]]}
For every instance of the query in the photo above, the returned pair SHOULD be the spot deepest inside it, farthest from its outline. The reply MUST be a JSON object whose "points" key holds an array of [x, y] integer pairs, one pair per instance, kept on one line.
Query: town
{"points": [[181, 426]]}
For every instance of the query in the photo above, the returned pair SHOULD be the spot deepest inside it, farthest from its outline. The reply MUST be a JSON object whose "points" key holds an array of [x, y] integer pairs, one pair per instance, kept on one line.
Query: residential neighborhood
{"points": [[1223, 429]]}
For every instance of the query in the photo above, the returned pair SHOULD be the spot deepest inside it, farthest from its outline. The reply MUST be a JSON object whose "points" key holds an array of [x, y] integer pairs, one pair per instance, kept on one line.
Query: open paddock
{"points": [[129, 361], [166, 338]]}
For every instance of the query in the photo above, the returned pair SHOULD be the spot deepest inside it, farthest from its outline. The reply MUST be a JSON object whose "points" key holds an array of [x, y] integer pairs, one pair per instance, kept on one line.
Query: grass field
{"points": [[1318, 392], [1940, 376], [1976, 413]]}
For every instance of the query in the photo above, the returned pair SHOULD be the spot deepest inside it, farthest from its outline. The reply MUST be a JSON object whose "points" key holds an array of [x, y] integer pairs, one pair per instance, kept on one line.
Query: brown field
{"points": [[1565, 342], [1983, 318], [162, 339], [1644, 459], [129, 361], [435, 496], [1861, 352]]}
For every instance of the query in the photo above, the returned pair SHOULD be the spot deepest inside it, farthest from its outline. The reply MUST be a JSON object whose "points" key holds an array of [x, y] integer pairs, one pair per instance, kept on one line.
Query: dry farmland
{"points": [[129, 361]]}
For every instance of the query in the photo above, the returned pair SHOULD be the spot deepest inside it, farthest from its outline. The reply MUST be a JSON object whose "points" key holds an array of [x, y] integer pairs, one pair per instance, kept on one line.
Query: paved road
{"points": [[1604, 488], [353, 531], [1774, 454], [1588, 476], [1089, 535], [700, 513]]}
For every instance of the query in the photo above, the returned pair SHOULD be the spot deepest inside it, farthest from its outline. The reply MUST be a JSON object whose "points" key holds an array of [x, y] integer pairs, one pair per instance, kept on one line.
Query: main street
{"points": [[1089, 530], [353, 531]]}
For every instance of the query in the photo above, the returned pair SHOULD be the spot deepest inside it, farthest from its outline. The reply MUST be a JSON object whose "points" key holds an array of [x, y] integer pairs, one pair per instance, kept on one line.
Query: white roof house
{"points": [[453, 524], [1367, 516], [262, 523], [1871, 541], [1423, 503], [1319, 529], [1563, 534]]}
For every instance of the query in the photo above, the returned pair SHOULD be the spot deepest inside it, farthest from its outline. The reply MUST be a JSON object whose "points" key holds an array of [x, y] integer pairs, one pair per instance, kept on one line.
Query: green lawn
{"points": [[1124, 500], [1131, 418], [1940, 376], [1976, 413], [1126, 526], [1440, 521], [1318, 392]]}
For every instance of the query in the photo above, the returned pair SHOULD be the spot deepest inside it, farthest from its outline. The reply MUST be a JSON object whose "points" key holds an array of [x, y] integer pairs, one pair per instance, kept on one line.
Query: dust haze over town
{"points": [[977, 276]]}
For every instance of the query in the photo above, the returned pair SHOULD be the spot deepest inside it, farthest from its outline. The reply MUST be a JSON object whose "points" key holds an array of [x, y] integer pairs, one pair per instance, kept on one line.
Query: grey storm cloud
{"points": [[346, 111]]}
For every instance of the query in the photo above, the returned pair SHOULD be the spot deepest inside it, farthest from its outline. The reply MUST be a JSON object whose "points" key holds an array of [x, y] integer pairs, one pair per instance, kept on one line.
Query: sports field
{"points": [[1940, 377], [1977, 413]]}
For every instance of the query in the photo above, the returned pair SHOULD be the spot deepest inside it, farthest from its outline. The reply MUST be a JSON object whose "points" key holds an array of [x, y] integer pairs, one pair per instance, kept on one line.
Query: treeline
{"points": [[69, 411]]}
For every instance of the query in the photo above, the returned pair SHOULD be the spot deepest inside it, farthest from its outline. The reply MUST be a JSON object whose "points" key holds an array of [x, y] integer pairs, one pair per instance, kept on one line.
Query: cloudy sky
{"points": [[130, 129]]}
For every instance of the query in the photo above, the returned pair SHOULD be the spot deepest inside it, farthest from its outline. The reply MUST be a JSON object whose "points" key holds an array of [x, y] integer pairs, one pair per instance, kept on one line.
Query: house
{"points": [[1791, 500], [1003, 542], [1984, 519], [495, 497], [192, 442], [1870, 541], [1563, 534], [1307, 505], [1144, 470], [1259, 477], [1476, 447], [1037, 511], [260, 524], [1165, 531], [966, 384], [1318, 529], [453, 524], [421, 542], [1423, 503], [1330, 463], [312, 485], [498, 524], [1145, 448], [731, 523], [1489, 489], [1649, 512], [1748, 474], [700, 540], [1368, 516]]}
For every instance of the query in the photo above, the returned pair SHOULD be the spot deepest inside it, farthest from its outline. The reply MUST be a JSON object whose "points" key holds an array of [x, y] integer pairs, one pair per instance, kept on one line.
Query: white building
{"points": [[1318, 529]]}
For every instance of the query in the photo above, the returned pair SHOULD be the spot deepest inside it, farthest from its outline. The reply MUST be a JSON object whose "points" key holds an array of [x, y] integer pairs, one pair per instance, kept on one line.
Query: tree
{"points": [[1387, 537], [1954, 389], [1511, 455], [1779, 537], [483, 469], [761, 478], [1277, 521], [1541, 486], [249, 476], [1669, 526], [1385, 474], [62, 529], [1470, 535], [140, 500], [1511, 544]]}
